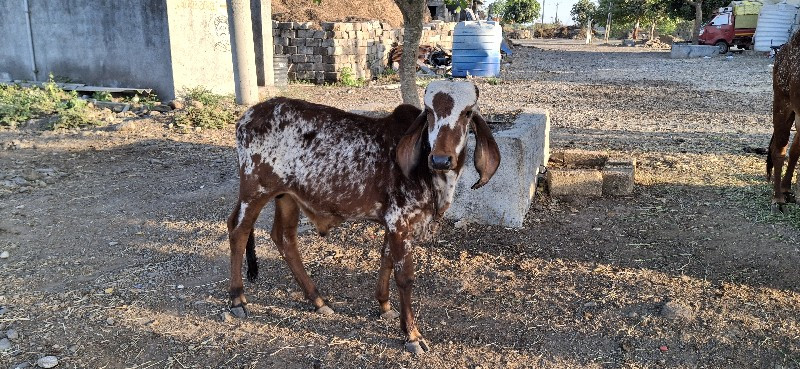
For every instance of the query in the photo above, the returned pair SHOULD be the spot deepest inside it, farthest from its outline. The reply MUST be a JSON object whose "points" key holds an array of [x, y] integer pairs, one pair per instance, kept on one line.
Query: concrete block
{"points": [[304, 25], [289, 50], [682, 51], [590, 173], [296, 42], [282, 41], [332, 76], [581, 182], [288, 33], [278, 50], [327, 26], [506, 198], [618, 181], [285, 25]]}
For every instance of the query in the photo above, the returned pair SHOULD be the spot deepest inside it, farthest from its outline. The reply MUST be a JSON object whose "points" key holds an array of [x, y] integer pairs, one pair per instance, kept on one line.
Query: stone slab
{"points": [[682, 51], [524, 149]]}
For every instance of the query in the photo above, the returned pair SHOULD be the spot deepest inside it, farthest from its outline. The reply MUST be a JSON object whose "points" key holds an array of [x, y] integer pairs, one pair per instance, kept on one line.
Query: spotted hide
{"points": [[399, 171]]}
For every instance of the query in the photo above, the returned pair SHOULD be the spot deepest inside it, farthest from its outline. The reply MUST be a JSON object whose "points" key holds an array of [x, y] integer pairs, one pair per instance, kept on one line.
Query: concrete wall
{"points": [[119, 43], [200, 45], [166, 45], [14, 49]]}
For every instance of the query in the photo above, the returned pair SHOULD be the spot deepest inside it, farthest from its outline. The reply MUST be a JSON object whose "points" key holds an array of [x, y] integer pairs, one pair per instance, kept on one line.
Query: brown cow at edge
{"points": [[785, 106], [399, 171]]}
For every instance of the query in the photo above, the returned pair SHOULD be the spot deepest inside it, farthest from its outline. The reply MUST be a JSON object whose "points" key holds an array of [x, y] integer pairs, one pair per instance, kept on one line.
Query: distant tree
{"points": [[521, 11], [497, 9], [582, 12]]}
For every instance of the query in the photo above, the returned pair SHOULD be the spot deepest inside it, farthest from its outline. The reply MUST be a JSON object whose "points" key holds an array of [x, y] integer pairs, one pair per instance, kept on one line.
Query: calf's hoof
{"points": [[239, 311], [391, 314], [417, 347], [325, 310]]}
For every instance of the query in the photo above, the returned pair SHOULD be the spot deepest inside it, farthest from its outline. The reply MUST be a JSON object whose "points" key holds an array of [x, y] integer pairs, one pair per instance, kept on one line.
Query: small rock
{"points": [[47, 362], [21, 366], [180, 286], [196, 104], [156, 161], [154, 113], [677, 311], [125, 126], [176, 104], [4, 255], [5, 344], [161, 108], [113, 243], [3, 310], [239, 312], [590, 304], [663, 348], [110, 321], [12, 334], [226, 317]]}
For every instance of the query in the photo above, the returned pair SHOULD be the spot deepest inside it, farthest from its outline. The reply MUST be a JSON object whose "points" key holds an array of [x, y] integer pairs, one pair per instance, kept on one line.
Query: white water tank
{"points": [[775, 25]]}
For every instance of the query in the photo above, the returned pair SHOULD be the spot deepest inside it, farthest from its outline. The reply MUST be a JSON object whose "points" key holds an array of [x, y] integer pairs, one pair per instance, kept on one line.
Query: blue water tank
{"points": [[476, 49]]}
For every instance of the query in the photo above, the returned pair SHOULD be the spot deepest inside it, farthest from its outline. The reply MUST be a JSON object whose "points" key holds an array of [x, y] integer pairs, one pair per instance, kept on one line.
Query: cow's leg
{"points": [[782, 125], [382, 289], [400, 249], [284, 234], [786, 183], [240, 230]]}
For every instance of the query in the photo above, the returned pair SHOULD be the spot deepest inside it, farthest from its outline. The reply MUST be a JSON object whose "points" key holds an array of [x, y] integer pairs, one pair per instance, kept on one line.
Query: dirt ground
{"points": [[118, 256]]}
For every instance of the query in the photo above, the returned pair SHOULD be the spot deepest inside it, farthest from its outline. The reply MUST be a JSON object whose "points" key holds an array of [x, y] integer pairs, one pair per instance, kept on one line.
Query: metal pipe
{"points": [[30, 40]]}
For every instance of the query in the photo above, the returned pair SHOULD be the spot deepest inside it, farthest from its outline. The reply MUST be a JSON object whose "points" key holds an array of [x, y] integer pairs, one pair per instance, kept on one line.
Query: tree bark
{"points": [[698, 19], [653, 30], [413, 11], [636, 30]]}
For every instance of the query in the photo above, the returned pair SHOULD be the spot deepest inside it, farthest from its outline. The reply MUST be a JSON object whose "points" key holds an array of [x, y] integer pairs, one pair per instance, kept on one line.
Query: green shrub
{"points": [[348, 79], [206, 109], [19, 104]]}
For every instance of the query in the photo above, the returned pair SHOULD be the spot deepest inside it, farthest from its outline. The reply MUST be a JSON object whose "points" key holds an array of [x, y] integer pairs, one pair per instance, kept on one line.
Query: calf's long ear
{"points": [[407, 154], [487, 154]]}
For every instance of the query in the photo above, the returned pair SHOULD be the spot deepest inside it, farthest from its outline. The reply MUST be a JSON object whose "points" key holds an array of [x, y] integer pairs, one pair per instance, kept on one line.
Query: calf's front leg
{"points": [[401, 252]]}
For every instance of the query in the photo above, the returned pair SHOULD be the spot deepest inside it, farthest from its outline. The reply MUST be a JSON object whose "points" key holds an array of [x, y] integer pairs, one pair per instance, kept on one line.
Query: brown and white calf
{"points": [[785, 106], [399, 171]]}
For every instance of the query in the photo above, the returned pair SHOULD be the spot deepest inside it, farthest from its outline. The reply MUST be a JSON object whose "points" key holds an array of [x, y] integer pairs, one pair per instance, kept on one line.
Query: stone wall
{"points": [[320, 53]]}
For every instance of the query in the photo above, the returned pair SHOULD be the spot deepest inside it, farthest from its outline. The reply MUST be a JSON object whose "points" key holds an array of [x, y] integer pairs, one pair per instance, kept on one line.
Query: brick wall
{"points": [[320, 55]]}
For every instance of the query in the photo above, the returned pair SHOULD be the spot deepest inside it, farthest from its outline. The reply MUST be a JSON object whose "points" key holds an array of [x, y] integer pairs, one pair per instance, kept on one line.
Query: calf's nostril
{"points": [[441, 162]]}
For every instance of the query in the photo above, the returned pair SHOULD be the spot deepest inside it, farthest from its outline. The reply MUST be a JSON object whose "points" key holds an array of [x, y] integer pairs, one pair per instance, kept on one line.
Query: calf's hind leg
{"points": [[240, 230], [284, 234], [782, 124], [786, 183]]}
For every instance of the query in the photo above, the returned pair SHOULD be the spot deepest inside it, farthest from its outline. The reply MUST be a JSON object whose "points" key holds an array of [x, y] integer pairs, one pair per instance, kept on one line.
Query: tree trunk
{"points": [[636, 30], [653, 30], [412, 31], [698, 19]]}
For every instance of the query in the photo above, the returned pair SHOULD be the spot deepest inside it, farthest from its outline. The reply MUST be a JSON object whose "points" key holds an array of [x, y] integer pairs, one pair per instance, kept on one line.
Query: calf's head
{"points": [[451, 107]]}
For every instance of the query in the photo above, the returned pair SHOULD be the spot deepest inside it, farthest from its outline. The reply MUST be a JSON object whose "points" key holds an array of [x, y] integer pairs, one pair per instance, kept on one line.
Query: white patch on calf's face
{"points": [[464, 95]]}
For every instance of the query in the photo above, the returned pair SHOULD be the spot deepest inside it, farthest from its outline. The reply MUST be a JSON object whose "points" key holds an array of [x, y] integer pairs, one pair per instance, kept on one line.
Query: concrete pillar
{"points": [[262, 38], [266, 29], [242, 51]]}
